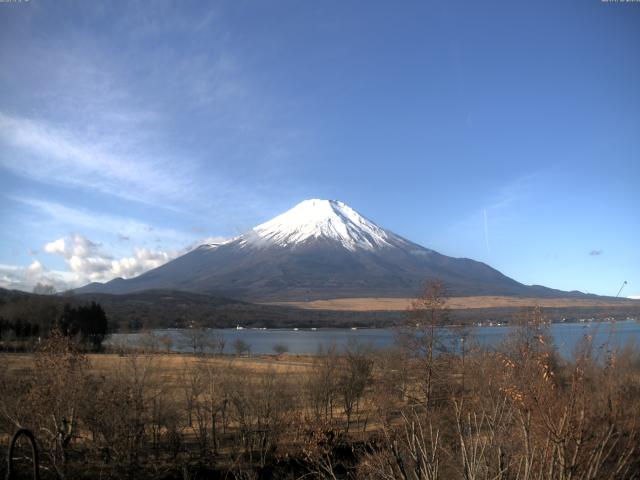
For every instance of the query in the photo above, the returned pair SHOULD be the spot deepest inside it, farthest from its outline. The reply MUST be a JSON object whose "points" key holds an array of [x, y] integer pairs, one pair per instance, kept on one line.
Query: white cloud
{"points": [[634, 297], [35, 268], [90, 263], [84, 257], [25, 278], [56, 246], [143, 260], [87, 262], [74, 246]]}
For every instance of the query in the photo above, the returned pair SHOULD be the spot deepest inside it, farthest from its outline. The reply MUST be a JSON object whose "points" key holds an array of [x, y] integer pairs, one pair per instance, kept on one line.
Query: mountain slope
{"points": [[317, 250]]}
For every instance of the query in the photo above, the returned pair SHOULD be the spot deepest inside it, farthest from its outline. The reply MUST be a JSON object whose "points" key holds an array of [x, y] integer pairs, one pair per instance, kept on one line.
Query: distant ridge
{"points": [[322, 249]]}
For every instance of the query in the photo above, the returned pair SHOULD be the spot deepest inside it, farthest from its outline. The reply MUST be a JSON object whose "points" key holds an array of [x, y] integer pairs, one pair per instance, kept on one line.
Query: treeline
{"points": [[418, 411], [175, 309], [157, 309], [30, 322], [18, 329]]}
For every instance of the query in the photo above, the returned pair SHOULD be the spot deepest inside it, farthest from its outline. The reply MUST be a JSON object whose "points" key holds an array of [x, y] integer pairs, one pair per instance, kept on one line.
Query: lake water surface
{"points": [[307, 341]]}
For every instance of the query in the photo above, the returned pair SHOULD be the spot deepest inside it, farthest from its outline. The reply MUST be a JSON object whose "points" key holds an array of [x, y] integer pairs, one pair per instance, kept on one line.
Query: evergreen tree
{"points": [[89, 322]]}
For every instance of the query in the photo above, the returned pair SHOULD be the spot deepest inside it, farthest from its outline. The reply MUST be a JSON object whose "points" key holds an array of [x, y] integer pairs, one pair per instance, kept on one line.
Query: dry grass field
{"points": [[173, 367], [352, 415], [174, 364], [455, 303]]}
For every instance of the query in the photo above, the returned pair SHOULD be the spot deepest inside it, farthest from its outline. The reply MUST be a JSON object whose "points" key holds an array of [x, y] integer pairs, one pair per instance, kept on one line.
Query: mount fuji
{"points": [[320, 249]]}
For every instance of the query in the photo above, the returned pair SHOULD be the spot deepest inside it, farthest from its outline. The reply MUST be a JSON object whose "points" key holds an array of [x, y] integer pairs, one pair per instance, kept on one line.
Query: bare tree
{"points": [[354, 376], [121, 409], [215, 343], [280, 348], [44, 289], [56, 395], [167, 342], [149, 342], [196, 337], [241, 347], [263, 410], [421, 336], [410, 449], [199, 418], [322, 383]]}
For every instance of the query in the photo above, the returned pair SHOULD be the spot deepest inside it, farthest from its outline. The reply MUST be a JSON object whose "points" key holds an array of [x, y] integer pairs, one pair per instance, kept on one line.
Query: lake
{"points": [[308, 341]]}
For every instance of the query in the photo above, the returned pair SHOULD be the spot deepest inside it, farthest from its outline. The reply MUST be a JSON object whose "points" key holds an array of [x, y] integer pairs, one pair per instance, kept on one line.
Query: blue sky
{"points": [[507, 132]]}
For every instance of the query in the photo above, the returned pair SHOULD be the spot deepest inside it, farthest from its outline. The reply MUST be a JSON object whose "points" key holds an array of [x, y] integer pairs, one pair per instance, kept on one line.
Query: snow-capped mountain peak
{"points": [[324, 219], [320, 249]]}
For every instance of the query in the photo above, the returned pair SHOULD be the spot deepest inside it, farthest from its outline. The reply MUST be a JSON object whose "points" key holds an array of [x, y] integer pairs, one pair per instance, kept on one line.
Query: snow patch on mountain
{"points": [[212, 245], [322, 219]]}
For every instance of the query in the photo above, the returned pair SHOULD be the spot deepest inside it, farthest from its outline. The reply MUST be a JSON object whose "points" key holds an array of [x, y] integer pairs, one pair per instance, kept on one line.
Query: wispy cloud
{"points": [[513, 191], [495, 208], [163, 123], [47, 153], [71, 218], [166, 17], [596, 253]]}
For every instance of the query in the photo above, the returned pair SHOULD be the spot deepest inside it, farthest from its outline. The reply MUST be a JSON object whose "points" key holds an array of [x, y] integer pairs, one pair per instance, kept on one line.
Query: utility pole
{"points": [[623, 284]]}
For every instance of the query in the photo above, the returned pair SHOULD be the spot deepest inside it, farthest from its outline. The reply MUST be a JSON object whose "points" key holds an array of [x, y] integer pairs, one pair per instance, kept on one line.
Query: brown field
{"points": [[360, 414], [455, 303], [172, 367]]}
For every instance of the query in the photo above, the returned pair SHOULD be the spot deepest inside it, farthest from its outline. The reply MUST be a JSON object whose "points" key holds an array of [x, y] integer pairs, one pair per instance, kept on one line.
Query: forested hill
{"points": [[177, 309]]}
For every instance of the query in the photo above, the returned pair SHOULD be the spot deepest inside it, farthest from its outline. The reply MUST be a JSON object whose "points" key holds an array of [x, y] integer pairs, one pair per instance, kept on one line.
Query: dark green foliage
{"points": [[20, 329], [87, 321]]}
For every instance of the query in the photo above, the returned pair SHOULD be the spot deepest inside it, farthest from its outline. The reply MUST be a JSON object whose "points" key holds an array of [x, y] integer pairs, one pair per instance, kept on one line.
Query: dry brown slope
{"points": [[455, 303]]}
